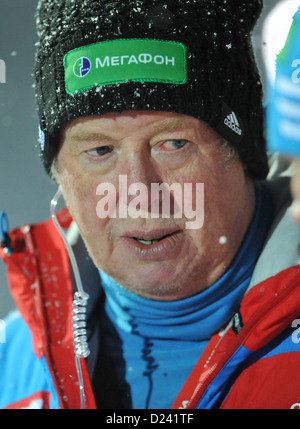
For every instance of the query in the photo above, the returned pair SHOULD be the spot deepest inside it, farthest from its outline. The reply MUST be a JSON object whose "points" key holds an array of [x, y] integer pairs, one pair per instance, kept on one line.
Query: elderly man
{"points": [[191, 304]]}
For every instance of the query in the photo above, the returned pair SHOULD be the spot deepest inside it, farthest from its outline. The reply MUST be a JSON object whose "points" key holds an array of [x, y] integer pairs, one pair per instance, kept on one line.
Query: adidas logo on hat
{"points": [[232, 122], [231, 125]]}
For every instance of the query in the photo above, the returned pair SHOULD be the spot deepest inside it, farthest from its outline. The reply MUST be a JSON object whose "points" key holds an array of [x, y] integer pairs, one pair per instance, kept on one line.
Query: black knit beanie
{"points": [[191, 57]]}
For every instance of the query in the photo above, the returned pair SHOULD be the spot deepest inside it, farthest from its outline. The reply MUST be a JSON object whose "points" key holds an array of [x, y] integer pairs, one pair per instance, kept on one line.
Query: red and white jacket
{"points": [[253, 363]]}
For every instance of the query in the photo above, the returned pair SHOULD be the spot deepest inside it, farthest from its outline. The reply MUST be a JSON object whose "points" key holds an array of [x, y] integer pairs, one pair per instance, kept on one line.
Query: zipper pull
{"points": [[237, 323]]}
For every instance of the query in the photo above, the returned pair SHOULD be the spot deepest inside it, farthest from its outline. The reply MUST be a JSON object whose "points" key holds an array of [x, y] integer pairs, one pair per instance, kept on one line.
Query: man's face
{"points": [[143, 149]]}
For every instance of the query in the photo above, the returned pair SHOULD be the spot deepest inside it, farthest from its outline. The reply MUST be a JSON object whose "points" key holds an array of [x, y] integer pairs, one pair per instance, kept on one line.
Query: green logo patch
{"points": [[119, 61]]}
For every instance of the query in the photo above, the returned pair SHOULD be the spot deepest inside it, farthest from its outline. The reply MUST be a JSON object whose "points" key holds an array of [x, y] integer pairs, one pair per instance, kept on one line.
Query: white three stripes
{"points": [[232, 118]]}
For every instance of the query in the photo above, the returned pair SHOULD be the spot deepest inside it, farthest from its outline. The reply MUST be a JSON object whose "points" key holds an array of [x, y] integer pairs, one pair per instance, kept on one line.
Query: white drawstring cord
{"points": [[79, 305]]}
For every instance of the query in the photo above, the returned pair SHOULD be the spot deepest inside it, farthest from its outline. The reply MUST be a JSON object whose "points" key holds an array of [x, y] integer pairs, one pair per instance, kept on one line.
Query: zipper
{"points": [[207, 376]]}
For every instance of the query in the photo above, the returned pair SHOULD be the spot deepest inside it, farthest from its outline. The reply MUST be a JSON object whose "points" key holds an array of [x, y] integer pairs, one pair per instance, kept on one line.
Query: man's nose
{"points": [[140, 172]]}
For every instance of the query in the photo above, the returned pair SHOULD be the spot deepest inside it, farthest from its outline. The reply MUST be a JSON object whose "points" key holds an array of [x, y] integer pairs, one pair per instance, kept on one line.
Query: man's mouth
{"points": [[155, 244], [153, 241]]}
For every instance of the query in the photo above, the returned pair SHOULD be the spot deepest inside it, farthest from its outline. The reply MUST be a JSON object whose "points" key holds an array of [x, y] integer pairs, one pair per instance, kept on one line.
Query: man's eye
{"points": [[174, 144], [99, 151]]}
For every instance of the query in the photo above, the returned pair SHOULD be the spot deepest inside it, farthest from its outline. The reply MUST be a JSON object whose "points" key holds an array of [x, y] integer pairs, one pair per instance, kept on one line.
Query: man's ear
{"points": [[54, 176]]}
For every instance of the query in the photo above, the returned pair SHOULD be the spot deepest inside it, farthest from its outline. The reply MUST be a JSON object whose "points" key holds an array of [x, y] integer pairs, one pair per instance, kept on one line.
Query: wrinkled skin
{"points": [[155, 147]]}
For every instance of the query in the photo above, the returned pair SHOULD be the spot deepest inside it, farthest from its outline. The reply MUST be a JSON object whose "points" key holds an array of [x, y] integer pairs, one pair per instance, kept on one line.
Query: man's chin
{"points": [[156, 286]]}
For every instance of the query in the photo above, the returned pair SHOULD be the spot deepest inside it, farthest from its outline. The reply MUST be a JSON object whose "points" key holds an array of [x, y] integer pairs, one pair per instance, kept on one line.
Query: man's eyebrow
{"points": [[85, 136], [170, 124]]}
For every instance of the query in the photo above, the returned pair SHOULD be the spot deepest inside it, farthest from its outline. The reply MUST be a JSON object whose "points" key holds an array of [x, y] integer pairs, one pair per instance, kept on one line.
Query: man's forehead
{"points": [[86, 127]]}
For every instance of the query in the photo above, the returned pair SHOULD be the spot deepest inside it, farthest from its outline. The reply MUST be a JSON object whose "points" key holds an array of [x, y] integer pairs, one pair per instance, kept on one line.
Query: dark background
{"points": [[25, 189]]}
